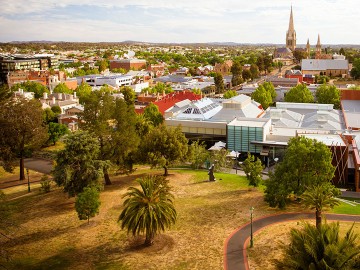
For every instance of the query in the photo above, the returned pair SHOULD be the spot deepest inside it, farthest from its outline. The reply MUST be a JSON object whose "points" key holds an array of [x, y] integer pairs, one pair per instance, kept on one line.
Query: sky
{"points": [[180, 21]]}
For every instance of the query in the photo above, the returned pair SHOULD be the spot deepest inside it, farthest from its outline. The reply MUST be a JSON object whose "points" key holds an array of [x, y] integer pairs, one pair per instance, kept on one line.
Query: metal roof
{"points": [[324, 64]]}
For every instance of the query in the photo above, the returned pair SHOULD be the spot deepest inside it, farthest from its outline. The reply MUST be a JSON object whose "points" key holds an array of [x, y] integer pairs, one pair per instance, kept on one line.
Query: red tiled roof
{"points": [[170, 99]]}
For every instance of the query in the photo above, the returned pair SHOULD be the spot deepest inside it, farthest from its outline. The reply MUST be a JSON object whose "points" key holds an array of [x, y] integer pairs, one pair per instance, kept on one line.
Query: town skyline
{"points": [[263, 22]]}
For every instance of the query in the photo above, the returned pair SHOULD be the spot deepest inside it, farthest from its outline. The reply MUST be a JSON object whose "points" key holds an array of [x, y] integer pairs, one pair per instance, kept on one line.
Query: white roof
{"points": [[324, 64]]}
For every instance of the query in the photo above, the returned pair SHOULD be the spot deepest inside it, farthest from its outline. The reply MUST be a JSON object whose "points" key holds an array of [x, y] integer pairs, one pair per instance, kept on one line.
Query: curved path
{"points": [[235, 257]]}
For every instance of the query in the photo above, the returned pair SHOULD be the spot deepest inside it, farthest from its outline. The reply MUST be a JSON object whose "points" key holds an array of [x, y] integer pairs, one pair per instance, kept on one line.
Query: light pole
{"points": [[27, 172], [251, 229]]}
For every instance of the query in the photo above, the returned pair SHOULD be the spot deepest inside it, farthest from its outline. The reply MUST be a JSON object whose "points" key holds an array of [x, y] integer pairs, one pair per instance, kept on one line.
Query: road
{"points": [[236, 244], [39, 165]]}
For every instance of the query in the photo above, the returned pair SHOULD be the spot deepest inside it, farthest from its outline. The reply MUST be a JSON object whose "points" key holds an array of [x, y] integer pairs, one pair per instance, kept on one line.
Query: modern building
{"points": [[128, 64], [37, 62], [112, 80]]}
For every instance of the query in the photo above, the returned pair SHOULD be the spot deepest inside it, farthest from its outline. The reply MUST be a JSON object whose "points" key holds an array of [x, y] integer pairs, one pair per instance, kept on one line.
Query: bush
{"points": [[45, 184]]}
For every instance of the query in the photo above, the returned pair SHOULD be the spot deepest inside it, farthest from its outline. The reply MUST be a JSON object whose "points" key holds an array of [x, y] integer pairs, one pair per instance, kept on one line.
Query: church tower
{"points": [[318, 48], [308, 49], [291, 34]]}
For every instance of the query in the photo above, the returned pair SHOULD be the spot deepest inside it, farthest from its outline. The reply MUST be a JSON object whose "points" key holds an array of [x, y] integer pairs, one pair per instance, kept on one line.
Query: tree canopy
{"points": [[22, 131], [229, 94], [265, 94], [219, 83], [253, 169], [78, 165], [62, 88], [355, 71], [306, 163], [328, 94], [152, 114], [87, 203], [236, 70], [37, 88], [299, 94], [163, 146]]}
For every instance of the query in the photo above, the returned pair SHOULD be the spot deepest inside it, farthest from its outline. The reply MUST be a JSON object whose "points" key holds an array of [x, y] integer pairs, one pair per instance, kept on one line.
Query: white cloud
{"points": [[195, 21]]}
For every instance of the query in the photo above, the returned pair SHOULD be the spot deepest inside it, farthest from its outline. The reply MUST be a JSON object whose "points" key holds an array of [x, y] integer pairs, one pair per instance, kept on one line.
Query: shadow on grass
{"points": [[56, 262]]}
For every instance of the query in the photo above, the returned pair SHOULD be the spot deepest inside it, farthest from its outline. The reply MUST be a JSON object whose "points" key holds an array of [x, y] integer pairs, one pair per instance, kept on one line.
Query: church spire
{"points": [[318, 48], [291, 21], [308, 49], [318, 41], [291, 33]]}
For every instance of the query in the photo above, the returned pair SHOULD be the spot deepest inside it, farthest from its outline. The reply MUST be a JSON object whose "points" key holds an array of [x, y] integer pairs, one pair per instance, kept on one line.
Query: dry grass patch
{"points": [[49, 234], [267, 242]]}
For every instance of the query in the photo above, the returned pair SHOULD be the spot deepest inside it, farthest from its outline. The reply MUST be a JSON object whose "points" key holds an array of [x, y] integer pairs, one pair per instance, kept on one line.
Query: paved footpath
{"points": [[39, 165], [237, 242]]}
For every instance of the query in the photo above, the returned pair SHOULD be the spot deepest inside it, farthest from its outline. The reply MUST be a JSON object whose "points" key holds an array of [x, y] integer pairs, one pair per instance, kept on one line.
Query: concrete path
{"points": [[236, 244], [39, 165]]}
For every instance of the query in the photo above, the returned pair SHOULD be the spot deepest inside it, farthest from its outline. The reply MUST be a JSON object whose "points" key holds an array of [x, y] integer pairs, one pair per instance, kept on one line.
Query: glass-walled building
{"points": [[242, 131]]}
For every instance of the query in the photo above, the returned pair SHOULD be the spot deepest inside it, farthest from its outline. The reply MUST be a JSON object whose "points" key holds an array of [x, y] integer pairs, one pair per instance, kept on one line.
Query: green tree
{"points": [[112, 121], [299, 94], [254, 71], [129, 95], [56, 131], [196, 91], [83, 91], [5, 93], [246, 74], [323, 248], [49, 116], [37, 88], [152, 114], [236, 70], [262, 96], [77, 165], [219, 83], [328, 94], [150, 209], [22, 131], [306, 163], [320, 197], [229, 94], [56, 110], [355, 71], [220, 160], [163, 146], [198, 154], [299, 55], [253, 169], [62, 88], [87, 203]]}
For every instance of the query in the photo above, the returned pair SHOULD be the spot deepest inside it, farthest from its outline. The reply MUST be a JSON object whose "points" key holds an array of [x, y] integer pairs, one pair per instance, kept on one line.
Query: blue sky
{"points": [[261, 21]]}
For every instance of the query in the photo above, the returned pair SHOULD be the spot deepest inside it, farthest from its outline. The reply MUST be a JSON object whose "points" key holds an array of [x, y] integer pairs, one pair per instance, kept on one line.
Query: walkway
{"points": [[237, 242], [39, 165]]}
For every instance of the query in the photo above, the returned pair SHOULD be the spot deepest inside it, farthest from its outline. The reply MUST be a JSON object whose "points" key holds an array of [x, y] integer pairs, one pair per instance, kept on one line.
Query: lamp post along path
{"points": [[251, 227], [27, 172]]}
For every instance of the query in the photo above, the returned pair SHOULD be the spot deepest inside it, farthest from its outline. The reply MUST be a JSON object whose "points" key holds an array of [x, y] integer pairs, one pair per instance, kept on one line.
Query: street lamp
{"points": [[251, 227], [27, 172]]}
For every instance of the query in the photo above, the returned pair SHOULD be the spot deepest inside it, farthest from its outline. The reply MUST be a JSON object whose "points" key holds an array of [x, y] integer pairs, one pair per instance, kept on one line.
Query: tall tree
{"points": [[328, 94], [229, 94], [246, 74], [313, 248], [150, 209], [129, 95], [299, 55], [236, 70], [253, 169], [320, 197], [56, 131], [163, 146], [254, 71], [37, 88], [355, 71], [77, 165], [152, 114], [83, 91], [299, 94], [306, 163], [262, 96], [219, 83], [62, 88], [87, 203], [22, 131], [198, 154]]}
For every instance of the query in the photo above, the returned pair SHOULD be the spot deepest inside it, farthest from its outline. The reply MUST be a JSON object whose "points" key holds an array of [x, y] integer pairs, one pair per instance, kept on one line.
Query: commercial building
{"points": [[128, 64]]}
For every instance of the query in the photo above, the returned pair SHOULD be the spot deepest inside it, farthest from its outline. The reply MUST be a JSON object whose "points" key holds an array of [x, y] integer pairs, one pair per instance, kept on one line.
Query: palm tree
{"points": [[313, 248], [150, 209], [320, 197]]}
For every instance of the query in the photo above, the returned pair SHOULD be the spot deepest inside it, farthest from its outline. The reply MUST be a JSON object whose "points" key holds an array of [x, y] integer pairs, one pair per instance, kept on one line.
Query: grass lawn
{"points": [[345, 208], [267, 243], [49, 235]]}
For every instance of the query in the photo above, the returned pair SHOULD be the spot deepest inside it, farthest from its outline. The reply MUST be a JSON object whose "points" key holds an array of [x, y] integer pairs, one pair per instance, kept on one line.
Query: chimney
{"points": [[75, 95], [45, 95], [53, 100]]}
